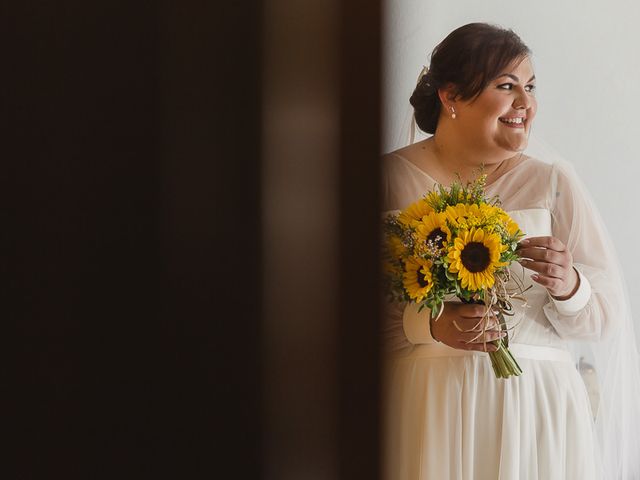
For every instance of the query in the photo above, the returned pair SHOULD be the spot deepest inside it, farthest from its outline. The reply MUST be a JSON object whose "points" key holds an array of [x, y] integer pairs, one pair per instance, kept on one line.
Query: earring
{"points": [[453, 113]]}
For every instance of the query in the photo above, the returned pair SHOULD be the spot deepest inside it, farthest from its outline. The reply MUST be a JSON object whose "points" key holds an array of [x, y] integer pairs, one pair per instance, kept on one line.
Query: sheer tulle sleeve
{"points": [[399, 188], [605, 319], [393, 336], [591, 313]]}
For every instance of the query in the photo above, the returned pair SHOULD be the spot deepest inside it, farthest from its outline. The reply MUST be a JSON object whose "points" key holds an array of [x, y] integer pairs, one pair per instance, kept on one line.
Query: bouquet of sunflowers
{"points": [[455, 241]]}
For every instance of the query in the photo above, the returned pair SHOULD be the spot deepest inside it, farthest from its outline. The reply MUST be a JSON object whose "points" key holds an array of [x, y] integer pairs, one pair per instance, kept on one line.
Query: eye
{"points": [[509, 86]]}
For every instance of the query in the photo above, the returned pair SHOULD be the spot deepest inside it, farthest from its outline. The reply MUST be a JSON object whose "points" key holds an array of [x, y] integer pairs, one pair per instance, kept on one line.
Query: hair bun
{"points": [[426, 105]]}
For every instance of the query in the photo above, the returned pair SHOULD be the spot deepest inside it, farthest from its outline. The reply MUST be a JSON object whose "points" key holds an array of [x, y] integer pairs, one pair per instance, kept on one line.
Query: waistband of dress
{"points": [[518, 350]]}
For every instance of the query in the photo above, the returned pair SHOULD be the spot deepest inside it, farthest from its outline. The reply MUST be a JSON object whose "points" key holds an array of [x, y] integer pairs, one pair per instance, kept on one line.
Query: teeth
{"points": [[512, 120]]}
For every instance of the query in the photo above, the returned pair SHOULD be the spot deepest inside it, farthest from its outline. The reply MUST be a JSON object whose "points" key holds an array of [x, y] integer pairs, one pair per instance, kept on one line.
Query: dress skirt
{"points": [[448, 417]]}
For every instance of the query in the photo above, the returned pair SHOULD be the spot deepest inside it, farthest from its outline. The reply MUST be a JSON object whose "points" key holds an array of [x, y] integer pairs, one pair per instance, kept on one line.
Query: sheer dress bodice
{"points": [[532, 193]]}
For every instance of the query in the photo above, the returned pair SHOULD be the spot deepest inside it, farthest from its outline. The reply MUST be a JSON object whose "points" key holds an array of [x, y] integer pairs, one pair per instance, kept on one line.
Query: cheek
{"points": [[533, 109]]}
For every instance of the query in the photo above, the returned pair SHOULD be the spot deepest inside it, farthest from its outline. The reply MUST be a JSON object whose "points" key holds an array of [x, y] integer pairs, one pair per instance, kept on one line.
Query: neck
{"points": [[455, 157]]}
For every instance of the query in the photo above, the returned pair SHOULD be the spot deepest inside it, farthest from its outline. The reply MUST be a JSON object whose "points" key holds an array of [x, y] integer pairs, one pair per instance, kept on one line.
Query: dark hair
{"points": [[469, 58]]}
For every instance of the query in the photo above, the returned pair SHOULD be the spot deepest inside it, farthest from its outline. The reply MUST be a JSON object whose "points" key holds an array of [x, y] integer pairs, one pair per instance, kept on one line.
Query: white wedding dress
{"points": [[446, 415]]}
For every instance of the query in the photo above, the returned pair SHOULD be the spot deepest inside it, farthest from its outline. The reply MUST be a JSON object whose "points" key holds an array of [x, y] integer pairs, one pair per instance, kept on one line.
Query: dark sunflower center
{"points": [[437, 237], [475, 257], [421, 281]]}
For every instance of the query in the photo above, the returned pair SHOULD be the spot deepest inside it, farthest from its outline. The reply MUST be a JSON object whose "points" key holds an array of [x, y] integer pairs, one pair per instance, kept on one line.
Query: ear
{"points": [[447, 94]]}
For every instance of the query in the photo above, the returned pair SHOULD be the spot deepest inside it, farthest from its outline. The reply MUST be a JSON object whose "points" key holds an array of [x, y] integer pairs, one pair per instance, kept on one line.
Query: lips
{"points": [[513, 122]]}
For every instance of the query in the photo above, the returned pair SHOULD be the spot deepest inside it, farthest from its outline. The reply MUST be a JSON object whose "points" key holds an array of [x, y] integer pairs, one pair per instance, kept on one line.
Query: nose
{"points": [[522, 100]]}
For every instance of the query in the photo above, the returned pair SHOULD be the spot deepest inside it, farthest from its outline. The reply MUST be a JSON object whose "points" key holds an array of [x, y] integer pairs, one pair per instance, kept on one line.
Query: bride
{"points": [[446, 414]]}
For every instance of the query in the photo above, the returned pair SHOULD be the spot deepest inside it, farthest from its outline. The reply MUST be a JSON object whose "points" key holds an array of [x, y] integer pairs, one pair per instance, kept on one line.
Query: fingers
{"points": [[550, 283], [472, 310], [546, 269], [479, 347], [549, 242], [545, 255], [478, 332], [470, 327], [551, 277], [480, 337], [476, 324]]}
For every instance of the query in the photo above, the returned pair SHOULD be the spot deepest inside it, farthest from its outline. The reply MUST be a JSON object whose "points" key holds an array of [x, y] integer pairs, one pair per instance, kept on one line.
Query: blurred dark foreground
{"points": [[190, 240]]}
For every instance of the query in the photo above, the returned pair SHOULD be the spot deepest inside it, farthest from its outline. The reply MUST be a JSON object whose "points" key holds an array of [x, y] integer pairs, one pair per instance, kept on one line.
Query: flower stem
{"points": [[503, 363]]}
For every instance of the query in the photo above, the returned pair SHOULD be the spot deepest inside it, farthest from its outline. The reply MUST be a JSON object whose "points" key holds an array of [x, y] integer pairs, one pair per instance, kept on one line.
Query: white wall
{"points": [[588, 89]]}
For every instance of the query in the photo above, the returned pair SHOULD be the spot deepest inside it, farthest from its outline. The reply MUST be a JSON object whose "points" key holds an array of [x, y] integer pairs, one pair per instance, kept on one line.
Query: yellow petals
{"points": [[417, 278], [474, 256], [414, 212]]}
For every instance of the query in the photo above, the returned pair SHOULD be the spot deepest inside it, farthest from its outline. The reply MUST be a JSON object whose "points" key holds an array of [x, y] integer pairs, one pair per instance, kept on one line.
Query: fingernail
{"points": [[535, 277], [524, 242]]}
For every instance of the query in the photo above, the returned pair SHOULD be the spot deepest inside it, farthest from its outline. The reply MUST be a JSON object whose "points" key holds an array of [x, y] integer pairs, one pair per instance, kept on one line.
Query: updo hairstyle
{"points": [[469, 58]]}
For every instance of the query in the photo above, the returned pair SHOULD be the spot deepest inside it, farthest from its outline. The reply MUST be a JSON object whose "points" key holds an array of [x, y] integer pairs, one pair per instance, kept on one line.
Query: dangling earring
{"points": [[453, 113]]}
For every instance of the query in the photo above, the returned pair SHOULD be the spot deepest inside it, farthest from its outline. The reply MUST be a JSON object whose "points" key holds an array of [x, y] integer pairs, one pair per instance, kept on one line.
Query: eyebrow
{"points": [[514, 78]]}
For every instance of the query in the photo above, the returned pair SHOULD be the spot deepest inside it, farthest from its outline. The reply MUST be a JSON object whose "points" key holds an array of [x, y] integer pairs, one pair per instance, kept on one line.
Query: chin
{"points": [[520, 148], [515, 147], [511, 143]]}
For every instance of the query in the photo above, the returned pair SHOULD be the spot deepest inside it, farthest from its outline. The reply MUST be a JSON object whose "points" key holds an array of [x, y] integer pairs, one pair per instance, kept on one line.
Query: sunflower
{"points": [[456, 214], [474, 256], [392, 269], [511, 226], [435, 200], [432, 233], [415, 212], [395, 247], [417, 278], [467, 216]]}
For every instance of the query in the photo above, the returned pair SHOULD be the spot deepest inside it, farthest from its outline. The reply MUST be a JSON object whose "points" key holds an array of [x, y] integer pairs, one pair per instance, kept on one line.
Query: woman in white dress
{"points": [[446, 414]]}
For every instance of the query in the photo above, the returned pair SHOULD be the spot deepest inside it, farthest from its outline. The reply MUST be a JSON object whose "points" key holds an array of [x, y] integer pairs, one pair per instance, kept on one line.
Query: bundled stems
{"points": [[503, 362]]}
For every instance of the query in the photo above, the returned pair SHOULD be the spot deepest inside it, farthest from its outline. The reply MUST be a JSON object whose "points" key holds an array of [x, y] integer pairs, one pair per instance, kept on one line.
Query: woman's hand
{"points": [[460, 326], [550, 258]]}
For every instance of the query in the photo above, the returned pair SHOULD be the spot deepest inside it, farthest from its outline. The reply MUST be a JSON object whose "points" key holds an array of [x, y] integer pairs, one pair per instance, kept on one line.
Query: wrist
{"points": [[573, 291], [431, 320], [577, 301]]}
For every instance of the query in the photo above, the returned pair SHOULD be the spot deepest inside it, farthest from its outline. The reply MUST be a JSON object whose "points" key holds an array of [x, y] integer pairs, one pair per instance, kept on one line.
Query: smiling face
{"points": [[500, 118]]}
